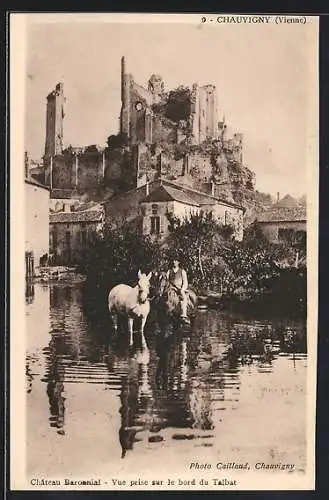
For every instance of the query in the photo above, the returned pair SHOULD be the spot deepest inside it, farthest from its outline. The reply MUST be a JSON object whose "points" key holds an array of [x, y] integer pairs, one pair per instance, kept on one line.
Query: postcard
{"points": [[164, 211]]}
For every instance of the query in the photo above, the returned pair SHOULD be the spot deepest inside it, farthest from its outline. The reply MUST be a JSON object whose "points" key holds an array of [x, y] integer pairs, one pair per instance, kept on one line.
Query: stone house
{"points": [[61, 199], [148, 205], [181, 201], [70, 232], [125, 206], [285, 220], [36, 225]]}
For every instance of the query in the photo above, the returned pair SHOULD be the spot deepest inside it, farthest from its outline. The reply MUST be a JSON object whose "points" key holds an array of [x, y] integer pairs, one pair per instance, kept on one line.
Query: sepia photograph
{"points": [[164, 211]]}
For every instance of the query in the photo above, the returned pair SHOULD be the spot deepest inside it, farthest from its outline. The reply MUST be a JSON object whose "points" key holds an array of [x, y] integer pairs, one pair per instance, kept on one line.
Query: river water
{"points": [[231, 390]]}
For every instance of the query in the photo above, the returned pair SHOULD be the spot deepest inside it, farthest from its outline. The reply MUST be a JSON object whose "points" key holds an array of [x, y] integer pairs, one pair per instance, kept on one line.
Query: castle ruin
{"points": [[163, 134], [54, 122], [139, 119]]}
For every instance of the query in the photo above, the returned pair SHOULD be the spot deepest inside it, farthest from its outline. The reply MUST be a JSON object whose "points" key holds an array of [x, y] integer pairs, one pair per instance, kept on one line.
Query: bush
{"points": [[214, 261], [197, 240], [113, 258], [178, 106], [117, 141]]}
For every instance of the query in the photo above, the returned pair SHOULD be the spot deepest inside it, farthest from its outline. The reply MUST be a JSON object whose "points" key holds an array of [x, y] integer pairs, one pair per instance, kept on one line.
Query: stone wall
{"points": [[63, 172], [161, 209], [70, 172], [125, 205], [229, 216], [203, 119], [54, 121], [156, 209], [224, 213], [36, 221], [200, 167], [163, 130], [271, 229], [171, 168], [145, 163], [68, 240], [90, 170]]}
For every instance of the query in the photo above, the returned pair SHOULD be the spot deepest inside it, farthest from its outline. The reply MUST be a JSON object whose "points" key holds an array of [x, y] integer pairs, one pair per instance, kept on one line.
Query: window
{"points": [[154, 209], [301, 237], [68, 238], [292, 236], [286, 235], [225, 218], [83, 235], [54, 238], [155, 225]]}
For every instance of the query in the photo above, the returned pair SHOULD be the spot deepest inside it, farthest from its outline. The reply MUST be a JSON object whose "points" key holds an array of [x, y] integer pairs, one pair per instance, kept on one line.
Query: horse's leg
{"points": [[114, 318], [131, 330], [144, 318]]}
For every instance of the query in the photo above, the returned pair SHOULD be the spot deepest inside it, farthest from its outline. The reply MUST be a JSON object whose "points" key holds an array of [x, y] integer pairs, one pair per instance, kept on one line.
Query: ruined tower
{"points": [[156, 87], [203, 113], [125, 100], [54, 123]]}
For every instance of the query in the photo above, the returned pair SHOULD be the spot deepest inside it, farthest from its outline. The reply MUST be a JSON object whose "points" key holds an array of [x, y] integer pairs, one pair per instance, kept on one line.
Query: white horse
{"points": [[133, 302]]}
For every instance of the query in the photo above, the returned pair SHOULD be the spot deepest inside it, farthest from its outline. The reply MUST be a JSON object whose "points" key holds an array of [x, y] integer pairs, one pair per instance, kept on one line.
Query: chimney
{"points": [[277, 196], [212, 188], [147, 188]]}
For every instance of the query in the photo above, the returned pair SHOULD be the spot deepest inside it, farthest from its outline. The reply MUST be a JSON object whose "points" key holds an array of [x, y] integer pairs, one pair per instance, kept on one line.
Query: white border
{"points": [[17, 281]]}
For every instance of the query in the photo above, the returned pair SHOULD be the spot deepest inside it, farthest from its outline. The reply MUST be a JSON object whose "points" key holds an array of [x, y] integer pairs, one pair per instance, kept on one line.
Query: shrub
{"points": [[115, 257], [178, 106]]}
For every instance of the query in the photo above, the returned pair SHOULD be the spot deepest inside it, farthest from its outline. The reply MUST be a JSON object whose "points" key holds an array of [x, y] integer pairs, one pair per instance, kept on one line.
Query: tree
{"points": [[115, 257], [178, 105], [91, 149], [251, 266], [117, 141], [198, 240]]}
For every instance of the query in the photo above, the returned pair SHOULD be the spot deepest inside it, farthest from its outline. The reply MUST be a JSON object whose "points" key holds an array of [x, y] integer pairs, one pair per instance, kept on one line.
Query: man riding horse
{"points": [[178, 283]]}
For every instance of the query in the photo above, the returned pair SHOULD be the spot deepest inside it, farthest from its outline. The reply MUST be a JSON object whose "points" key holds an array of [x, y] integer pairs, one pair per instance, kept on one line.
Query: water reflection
{"points": [[29, 292], [136, 400], [55, 382], [189, 385]]}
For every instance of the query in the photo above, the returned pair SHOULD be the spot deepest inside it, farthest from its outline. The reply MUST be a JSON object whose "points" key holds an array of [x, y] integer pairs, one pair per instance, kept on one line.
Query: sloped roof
{"points": [[170, 191], [83, 216], [64, 194], [34, 182], [90, 205], [287, 202], [286, 210]]}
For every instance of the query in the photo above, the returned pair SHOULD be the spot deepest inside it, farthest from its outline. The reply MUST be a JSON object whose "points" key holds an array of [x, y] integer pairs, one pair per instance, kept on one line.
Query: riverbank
{"points": [[48, 274], [285, 295]]}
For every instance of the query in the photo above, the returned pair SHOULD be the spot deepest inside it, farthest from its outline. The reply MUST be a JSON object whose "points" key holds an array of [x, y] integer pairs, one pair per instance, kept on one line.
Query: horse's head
{"points": [[163, 282], [158, 283], [143, 286]]}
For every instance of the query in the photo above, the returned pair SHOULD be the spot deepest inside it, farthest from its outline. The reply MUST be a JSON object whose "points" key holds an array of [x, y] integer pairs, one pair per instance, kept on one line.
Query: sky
{"points": [[263, 74]]}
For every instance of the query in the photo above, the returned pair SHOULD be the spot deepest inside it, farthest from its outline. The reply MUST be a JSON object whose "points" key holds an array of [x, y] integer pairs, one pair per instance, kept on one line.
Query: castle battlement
{"points": [[171, 134], [140, 121]]}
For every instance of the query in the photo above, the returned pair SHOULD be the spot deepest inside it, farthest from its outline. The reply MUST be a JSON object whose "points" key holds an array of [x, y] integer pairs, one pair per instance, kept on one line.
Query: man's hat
{"points": [[175, 257]]}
